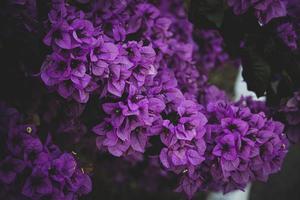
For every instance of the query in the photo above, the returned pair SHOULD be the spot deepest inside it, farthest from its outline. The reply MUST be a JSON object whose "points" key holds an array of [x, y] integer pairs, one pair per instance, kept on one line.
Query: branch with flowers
{"points": [[97, 92]]}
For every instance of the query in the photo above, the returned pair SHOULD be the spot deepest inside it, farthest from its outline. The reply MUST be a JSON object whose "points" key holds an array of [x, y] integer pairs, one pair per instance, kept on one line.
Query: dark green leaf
{"points": [[235, 28], [207, 13], [256, 71]]}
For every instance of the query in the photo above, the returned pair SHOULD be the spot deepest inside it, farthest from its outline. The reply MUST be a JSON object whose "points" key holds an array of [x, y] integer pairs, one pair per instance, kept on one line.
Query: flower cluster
{"points": [[36, 170], [111, 51], [190, 80], [160, 89], [211, 93], [183, 137], [264, 10], [290, 109], [90, 54], [241, 147], [211, 48], [288, 35], [135, 72], [288, 32], [255, 106], [159, 110]]}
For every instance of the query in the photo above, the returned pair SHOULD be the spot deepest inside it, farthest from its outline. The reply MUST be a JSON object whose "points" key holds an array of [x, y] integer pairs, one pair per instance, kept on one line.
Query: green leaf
{"points": [[211, 10], [256, 71]]}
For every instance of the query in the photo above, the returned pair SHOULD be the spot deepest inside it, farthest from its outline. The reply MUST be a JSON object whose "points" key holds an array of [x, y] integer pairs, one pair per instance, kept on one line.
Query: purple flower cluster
{"points": [[35, 170], [211, 48], [159, 110], [255, 106], [112, 51], [264, 10], [291, 109], [141, 62], [135, 73], [287, 34], [91, 51], [183, 138], [190, 81], [160, 90], [211, 93], [241, 147]]}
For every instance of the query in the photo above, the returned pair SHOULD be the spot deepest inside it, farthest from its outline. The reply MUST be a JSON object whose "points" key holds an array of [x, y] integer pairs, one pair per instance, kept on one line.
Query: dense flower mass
{"points": [[241, 147], [31, 169], [143, 66], [88, 54], [264, 10], [183, 137], [135, 73], [211, 48], [255, 106], [144, 70], [211, 93]]}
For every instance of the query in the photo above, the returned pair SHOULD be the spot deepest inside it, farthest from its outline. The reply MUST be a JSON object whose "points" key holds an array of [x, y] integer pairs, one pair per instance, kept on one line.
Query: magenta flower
{"points": [[37, 185], [103, 50], [115, 110], [241, 147], [59, 35], [265, 10], [63, 167], [82, 31], [226, 148]]}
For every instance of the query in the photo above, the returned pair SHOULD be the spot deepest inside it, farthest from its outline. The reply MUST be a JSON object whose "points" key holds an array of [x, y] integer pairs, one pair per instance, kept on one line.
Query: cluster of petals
{"points": [[264, 10], [211, 49], [161, 88], [255, 106], [241, 147], [87, 57], [183, 137], [140, 60], [31, 169], [161, 110]]}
